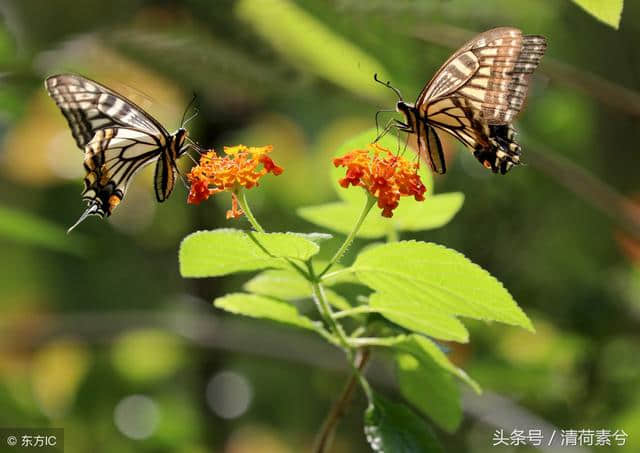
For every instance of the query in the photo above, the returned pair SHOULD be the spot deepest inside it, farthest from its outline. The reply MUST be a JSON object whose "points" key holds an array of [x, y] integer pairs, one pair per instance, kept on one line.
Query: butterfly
{"points": [[118, 139], [475, 96]]}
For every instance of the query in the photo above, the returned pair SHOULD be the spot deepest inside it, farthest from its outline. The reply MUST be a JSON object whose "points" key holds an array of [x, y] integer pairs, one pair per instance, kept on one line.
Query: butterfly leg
{"points": [[385, 131], [184, 181]]}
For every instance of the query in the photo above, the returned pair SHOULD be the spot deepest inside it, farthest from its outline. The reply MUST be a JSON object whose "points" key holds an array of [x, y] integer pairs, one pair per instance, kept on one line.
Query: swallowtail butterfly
{"points": [[475, 96], [118, 139]]}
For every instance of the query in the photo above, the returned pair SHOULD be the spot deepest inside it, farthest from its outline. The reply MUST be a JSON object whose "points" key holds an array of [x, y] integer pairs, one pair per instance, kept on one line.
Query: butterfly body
{"points": [[474, 97], [118, 139]]}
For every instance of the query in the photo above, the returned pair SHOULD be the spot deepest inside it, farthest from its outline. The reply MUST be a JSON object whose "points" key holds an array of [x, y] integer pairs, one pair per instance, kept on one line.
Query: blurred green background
{"points": [[101, 336]]}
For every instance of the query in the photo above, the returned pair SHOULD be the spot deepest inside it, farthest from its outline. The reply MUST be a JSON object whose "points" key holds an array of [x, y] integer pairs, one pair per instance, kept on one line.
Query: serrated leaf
{"points": [[394, 428], [429, 354], [434, 212], [280, 284], [430, 389], [263, 307], [356, 195], [607, 11], [424, 320], [288, 285], [436, 279], [225, 251], [314, 237]]}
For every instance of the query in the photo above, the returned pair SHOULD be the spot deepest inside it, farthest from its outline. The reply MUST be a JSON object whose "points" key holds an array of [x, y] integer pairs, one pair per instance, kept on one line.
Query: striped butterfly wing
{"points": [[480, 90], [118, 138], [89, 106]]}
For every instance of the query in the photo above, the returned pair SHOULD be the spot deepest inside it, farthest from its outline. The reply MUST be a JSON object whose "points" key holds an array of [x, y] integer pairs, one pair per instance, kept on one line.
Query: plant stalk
{"points": [[242, 200], [371, 200], [325, 311], [340, 406]]}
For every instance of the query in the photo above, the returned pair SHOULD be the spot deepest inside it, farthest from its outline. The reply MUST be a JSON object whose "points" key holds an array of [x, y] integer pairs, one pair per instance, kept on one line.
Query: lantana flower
{"points": [[385, 175], [240, 167]]}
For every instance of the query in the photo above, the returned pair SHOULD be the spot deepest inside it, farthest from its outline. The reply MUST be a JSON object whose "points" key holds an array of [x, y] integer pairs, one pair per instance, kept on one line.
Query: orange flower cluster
{"points": [[238, 168], [383, 174]]}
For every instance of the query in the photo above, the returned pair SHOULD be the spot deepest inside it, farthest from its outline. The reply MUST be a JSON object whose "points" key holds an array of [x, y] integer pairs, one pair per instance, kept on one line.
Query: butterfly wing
{"points": [[482, 85], [165, 177], [89, 107], [430, 148]]}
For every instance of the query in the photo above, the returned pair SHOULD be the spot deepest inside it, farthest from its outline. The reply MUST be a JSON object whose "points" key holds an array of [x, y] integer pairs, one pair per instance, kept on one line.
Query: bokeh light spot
{"points": [[136, 416], [229, 394]]}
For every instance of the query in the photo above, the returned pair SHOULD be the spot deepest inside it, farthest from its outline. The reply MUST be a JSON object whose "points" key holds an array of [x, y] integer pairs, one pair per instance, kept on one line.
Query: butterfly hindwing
{"points": [[112, 157], [165, 178], [434, 151]]}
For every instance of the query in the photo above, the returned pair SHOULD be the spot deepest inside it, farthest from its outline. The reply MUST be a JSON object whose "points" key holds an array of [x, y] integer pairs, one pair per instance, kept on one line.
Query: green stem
{"points": [[333, 274], [242, 199], [371, 200], [324, 308], [370, 341], [339, 408], [360, 309]]}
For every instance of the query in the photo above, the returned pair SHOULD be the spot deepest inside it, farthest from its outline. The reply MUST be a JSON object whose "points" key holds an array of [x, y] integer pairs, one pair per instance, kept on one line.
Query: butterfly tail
{"points": [[91, 210]]}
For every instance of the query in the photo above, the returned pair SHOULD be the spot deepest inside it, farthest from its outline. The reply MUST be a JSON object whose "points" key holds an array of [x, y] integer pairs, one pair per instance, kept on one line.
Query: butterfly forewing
{"points": [[118, 138], [90, 106]]}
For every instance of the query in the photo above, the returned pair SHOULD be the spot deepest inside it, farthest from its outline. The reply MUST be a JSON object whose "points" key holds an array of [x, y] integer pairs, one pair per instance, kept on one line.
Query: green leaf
{"points": [[281, 284], [607, 11], [289, 285], [394, 428], [264, 307], [419, 319], [28, 229], [312, 45], [435, 211], [430, 389], [225, 251], [436, 279], [356, 195], [429, 355], [318, 238]]}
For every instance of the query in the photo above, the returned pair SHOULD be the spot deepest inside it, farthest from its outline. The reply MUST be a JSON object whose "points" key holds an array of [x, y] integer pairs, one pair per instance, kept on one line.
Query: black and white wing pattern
{"points": [[476, 95], [118, 139]]}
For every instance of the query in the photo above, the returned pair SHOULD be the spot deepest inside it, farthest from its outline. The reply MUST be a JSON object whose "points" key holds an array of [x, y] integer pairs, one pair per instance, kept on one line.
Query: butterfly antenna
{"points": [[91, 210], [388, 85], [193, 145], [195, 113], [193, 99]]}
